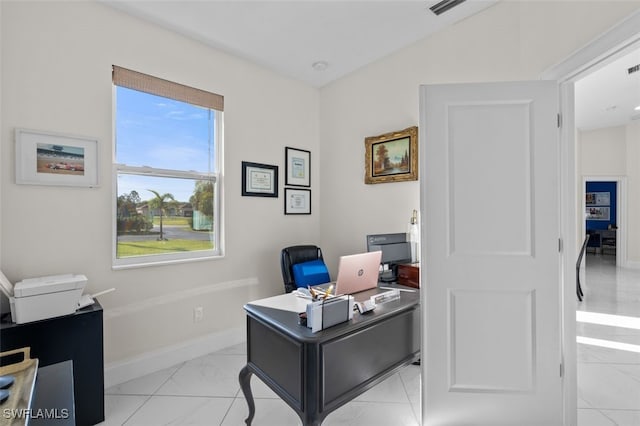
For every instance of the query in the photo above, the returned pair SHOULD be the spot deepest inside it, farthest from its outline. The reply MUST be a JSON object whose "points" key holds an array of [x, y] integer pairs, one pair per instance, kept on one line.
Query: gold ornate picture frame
{"points": [[392, 157]]}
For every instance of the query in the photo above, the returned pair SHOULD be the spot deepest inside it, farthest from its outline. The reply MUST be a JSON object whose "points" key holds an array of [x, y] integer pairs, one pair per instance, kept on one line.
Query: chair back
{"points": [[296, 254]]}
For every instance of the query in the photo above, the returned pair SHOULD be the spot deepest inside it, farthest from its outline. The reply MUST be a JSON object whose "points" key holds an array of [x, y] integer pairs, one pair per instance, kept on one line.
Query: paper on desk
{"points": [[286, 302]]}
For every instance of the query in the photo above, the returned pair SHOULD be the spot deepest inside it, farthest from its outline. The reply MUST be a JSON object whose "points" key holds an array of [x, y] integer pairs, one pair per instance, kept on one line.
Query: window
{"points": [[166, 171]]}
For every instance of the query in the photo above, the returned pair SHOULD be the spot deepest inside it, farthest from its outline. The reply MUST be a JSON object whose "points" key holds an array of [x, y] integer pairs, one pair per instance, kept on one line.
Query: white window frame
{"points": [[218, 222]]}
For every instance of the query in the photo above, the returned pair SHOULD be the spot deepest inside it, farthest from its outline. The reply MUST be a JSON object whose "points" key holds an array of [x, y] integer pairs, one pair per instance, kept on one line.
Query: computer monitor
{"points": [[395, 250]]}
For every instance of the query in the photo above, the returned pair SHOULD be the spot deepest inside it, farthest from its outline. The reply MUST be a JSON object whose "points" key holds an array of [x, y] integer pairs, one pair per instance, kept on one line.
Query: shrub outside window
{"points": [[166, 171]]}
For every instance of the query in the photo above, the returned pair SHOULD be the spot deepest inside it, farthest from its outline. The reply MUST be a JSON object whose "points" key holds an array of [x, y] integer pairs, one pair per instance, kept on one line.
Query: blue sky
{"points": [[162, 133]]}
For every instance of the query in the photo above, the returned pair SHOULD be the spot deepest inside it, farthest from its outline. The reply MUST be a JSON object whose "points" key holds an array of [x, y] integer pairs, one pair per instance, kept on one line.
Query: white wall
{"points": [[509, 41], [632, 136], [603, 152], [56, 76], [611, 152]]}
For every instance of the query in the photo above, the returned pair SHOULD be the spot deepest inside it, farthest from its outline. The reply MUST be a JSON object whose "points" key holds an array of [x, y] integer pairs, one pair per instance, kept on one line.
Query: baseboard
{"points": [[632, 264], [150, 362]]}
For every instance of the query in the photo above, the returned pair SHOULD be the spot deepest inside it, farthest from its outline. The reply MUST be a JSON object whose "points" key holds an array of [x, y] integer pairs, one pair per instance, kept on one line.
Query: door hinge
{"points": [[559, 120], [560, 245]]}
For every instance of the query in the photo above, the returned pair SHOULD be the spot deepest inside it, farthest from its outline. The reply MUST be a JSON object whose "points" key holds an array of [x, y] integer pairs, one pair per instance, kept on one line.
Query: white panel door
{"points": [[490, 209]]}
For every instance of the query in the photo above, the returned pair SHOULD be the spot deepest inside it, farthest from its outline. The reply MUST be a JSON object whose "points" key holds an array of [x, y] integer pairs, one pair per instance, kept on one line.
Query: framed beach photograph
{"points": [[259, 180], [44, 158], [297, 201], [392, 157], [297, 167]]}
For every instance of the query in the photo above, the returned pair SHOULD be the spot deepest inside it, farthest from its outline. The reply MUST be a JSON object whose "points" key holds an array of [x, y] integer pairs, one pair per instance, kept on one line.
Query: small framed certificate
{"points": [[297, 167], [297, 201], [259, 180]]}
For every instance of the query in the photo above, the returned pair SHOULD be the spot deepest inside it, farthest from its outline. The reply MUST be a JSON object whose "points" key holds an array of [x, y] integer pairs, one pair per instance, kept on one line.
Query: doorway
{"points": [[605, 219], [610, 46]]}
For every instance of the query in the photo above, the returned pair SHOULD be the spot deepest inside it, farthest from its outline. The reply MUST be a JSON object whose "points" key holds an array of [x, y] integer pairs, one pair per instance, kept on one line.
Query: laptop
{"points": [[358, 272]]}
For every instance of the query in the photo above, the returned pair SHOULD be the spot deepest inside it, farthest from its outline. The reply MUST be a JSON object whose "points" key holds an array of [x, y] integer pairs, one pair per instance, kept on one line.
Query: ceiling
{"points": [[608, 96], [289, 36]]}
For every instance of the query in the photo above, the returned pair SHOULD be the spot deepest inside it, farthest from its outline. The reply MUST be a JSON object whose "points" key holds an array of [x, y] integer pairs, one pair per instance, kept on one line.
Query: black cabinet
{"points": [[602, 241], [77, 337]]}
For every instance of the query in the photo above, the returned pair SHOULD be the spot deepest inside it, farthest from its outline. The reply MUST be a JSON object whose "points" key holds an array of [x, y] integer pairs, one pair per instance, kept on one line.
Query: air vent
{"points": [[633, 69], [444, 5]]}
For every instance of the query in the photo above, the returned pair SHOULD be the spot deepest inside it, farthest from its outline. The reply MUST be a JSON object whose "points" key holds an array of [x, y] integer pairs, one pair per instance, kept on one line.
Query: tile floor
{"points": [[205, 391], [609, 378]]}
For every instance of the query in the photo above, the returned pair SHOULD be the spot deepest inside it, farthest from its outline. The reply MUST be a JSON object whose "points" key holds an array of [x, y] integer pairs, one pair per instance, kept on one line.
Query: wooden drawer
{"points": [[409, 274]]}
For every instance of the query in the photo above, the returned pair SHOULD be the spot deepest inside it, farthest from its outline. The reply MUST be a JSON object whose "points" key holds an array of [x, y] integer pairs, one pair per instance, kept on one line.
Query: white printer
{"points": [[40, 298]]}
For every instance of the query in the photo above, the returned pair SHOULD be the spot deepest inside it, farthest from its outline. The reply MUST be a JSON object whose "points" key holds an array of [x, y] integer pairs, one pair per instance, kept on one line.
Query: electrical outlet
{"points": [[198, 313]]}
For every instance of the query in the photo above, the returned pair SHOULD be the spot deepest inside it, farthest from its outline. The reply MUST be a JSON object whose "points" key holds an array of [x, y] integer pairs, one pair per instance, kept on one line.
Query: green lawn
{"points": [[143, 248], [171, 220]]}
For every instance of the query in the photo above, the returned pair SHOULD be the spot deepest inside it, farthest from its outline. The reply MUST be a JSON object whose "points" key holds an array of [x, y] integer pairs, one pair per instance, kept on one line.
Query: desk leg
{"points": [[310, 420], [245, 385]]}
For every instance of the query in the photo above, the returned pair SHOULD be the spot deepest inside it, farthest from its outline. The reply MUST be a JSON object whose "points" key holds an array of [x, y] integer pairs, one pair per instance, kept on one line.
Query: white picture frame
{"points": [[45, 158]]}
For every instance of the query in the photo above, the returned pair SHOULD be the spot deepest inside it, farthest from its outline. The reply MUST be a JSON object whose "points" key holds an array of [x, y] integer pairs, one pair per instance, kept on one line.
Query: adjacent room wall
{"points": [[603, 152], [632, 135], [509, 41], [56, 76], [612, 152]]}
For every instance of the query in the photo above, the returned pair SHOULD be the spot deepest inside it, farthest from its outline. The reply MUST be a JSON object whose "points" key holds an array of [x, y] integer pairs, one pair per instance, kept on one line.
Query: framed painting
{"points": [[259, 180], [297, 167], [392, 157], [297, 201], [44, 158]]}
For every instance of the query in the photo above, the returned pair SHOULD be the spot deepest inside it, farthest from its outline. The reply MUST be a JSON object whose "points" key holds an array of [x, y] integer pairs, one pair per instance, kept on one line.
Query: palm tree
{"points": [[159, 202]]}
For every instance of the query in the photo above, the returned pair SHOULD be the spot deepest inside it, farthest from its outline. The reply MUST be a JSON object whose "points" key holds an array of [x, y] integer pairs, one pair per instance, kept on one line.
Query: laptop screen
{"points": [[358, 272]]}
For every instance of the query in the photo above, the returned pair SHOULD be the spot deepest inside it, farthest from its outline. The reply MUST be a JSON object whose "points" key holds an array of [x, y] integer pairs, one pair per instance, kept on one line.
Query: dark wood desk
{"points": [[53, 400], [76, 337], [316, 373]]}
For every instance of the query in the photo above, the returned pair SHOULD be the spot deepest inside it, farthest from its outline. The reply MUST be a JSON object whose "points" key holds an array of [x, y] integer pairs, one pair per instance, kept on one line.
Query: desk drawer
{"points": [[277, 357], [356, 362]]}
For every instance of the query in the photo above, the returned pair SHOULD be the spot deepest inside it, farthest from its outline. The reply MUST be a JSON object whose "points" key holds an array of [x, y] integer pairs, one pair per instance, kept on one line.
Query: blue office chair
{"points": [[302, 265]]}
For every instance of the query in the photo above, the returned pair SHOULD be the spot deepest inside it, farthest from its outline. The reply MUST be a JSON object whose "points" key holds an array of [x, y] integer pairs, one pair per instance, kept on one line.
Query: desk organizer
{"points": [[329, 312], [19, 401], [386, 296]]}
